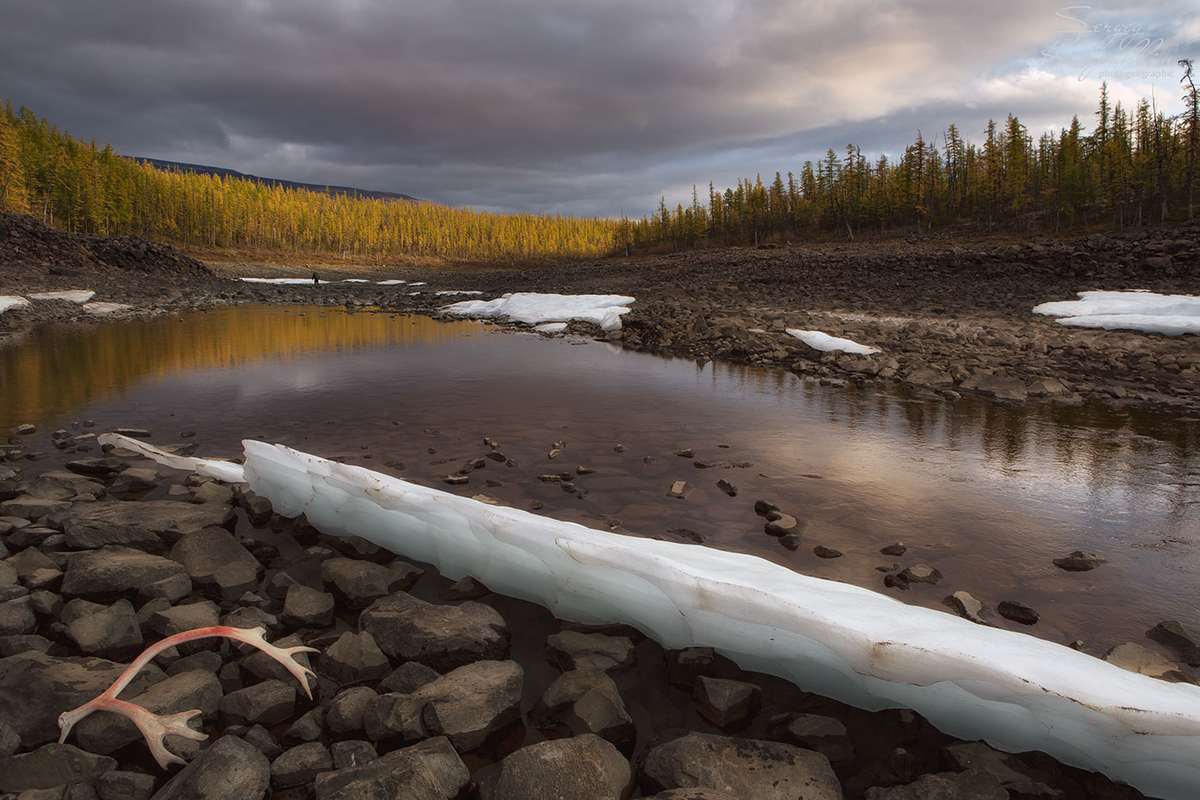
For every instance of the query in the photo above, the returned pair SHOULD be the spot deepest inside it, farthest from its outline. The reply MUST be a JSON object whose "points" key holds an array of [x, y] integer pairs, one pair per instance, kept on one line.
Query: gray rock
{"points": [[895, 549], [692, 794], [231, 769], [1173, 634], [111, 633], [970, 785], [263, 741], [570, 650], [684, 666], [300, 765], [825, 735], [725, 702], [213, 493], [357, 583], [466, 589], [345, 713], [1017, 612], [430, 770], [741, 767], [1008, 770], [821, 551], [585, 701], [680, 490], [465, 705], [966, 606], [114, 570], [305, 607], [193, 689], [102, 468], [33, 568], [204, 552], [177, 619], [1079, 561], [353, 753], [306, 729], [10, 742], [250, 617], [920, 573], [441, 637], [1135, 658], [727, 487], [119, 784], [262, 667], [148, 521], [17, 617], [32, 508], [584, 767], [259, 510], [134, 481], [52, 765], [265, 703], [407, 678], [780, 524], [63, 485], [354, 657]]}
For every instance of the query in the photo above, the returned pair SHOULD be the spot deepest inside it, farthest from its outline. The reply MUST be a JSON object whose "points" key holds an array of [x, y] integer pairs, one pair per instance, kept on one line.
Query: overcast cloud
{"points": [[575, 107]]}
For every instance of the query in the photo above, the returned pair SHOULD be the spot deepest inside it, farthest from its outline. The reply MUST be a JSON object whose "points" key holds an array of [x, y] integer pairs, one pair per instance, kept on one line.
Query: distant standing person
{"points": [[315, 279]]}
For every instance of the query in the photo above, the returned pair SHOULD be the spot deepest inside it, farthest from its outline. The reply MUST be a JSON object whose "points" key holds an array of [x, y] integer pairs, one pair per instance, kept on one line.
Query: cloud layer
{"points": [[551, 105]]}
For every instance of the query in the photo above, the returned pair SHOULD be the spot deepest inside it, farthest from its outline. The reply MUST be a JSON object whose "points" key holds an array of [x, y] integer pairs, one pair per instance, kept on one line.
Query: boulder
{"points": [[52, 765], [354, 657], [570, 650], [725, 702], [580, 767], [230, 769], [970, 785], [430, 770], [151, 522], [205, 552], [114, 570], [185, 691], [441, 637], [585, 701]]}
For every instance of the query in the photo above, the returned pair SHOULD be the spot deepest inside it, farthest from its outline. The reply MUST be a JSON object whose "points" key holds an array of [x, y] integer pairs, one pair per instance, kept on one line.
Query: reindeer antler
{"points": [[156, 727]]}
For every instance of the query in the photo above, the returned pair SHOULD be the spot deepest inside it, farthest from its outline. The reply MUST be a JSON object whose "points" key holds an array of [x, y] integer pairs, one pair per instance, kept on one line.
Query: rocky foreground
{"points": [[426, 689], [952, 318]]}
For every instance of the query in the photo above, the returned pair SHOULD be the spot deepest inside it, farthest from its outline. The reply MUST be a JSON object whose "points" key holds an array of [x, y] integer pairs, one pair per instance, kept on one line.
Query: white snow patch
{"points": [[418, 283], [356, 280], [8, 301], [394, 282], [1169, 314], [71, 296], [452, 291], [532, 308], [551, 327], [221, 470], [1016, 691], [823, 341], [282, 281], [105, 308], [757, 330]]}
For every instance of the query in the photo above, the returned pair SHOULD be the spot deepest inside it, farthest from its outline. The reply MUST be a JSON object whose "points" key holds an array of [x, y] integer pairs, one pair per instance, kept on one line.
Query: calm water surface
{"points": [[988, 496]]}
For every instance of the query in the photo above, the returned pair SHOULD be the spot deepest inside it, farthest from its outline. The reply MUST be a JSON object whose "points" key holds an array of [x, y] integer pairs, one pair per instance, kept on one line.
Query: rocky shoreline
{"points": [[426, 688], [950, 318]]}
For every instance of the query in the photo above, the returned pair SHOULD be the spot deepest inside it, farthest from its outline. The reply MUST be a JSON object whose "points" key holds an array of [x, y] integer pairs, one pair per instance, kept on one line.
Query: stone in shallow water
{"points": [[1135, 658], [1017, 612], [1174, 635], [1079, 561], [821, 551], [966, 606]]}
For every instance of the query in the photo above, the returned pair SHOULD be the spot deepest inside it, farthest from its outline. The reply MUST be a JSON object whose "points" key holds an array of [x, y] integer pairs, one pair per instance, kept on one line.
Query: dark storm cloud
{"points": [[532, 104]]}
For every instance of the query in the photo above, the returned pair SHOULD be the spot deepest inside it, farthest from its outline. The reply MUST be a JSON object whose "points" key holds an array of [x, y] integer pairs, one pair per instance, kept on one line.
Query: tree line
{"points": [[1135, 168], [89, 188]]}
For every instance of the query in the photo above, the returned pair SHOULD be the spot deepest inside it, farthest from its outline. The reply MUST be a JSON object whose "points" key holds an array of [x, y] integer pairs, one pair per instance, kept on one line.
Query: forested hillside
{"points": [[89, 188], [1135, 168]]}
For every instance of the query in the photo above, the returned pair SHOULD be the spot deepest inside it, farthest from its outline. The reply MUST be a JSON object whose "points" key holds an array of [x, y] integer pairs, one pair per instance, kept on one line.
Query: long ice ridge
{"points": [[855, 645]]}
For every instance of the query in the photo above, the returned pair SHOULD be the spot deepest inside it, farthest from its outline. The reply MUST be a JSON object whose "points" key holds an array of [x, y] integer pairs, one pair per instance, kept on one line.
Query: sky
{"points": [[591, 107]]}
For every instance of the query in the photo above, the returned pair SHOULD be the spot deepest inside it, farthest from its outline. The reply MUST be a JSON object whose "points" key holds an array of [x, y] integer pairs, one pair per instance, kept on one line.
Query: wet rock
{"points": [[1017, 612], [920, 573], [1135, 658], [353, 658], [258, 510], [1017, 778], [456, 480], [205, 552], [687, 664], [1079, 561], [357, 583], [897, 549], [780, 524], [973, 784], [580, 767], [305, 607], [134, 481], [231, 769], [103, 468], [345, 713], [358, 548], [725, 702], [966, 606], [821, 551], [825, 735], [441, 637], [569, 650], [145, 524], [185, 691], [997, 386], [680, 490], [466, 589], [430, 770], [791, 541], [741, 767], [1174, 635], [112, 632], [266, 703], [465, 705], [585, 701], [727, 487], [407, 678], [52, 765], [300, 765]]}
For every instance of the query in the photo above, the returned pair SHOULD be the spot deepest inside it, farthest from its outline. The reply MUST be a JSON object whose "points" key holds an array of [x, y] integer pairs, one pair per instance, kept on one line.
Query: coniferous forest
{"points": [[1132, 167]]}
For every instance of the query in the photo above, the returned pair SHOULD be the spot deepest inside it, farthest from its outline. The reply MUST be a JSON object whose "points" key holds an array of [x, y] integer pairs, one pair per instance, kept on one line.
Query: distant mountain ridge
{"points": [[201, 169]]}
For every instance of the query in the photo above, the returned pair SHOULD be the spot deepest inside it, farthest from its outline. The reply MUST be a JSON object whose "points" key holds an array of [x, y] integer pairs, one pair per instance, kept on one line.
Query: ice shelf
{"points": [[533, 308], [826, 343], [1011, 689], [1168, 314]]}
